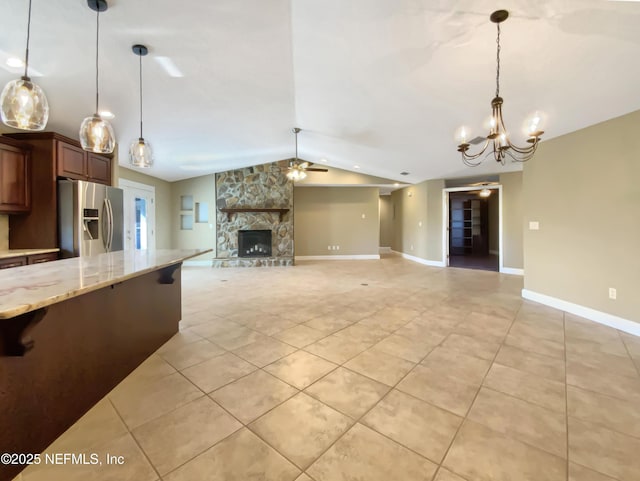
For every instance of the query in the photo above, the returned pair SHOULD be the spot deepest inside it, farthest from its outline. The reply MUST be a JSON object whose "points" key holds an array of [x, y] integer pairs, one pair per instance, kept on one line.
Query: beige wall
{"points": [[417, 222], [163, 204], [512, 220], [434, 219], [333, 216], [4, 232], [386, 221], [410, 221], [584, 190], [203, 234], [494, 221]]}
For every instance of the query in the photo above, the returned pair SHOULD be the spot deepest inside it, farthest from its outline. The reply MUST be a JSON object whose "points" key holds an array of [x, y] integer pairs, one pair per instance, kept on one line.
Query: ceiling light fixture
{"points": [[296, 170], [24, 104], [485, 192], [140, 151], [96, 133], [498, 135]]}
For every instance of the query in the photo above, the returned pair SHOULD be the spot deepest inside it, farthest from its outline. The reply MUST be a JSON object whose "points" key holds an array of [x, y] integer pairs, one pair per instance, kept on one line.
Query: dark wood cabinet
{"points": [[99, 169], [40, 258], [27, 259], [9, 262], [15, 180], [71, 161], [52, 156]]}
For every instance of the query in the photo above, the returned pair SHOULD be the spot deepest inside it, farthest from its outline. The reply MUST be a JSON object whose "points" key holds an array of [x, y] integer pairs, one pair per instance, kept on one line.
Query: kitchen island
{"points": [[71, 330]]}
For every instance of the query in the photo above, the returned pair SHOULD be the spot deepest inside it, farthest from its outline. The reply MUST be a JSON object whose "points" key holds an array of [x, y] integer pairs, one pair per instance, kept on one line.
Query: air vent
{"points": [[477, 140], [404, 173]]}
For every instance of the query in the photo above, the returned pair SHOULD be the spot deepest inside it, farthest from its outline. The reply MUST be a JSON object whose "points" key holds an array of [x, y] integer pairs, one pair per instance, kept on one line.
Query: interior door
{"points": [[139, 216]]}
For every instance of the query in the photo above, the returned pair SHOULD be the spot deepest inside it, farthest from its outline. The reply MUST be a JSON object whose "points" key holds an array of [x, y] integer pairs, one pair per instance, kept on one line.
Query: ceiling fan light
{"points": [[24, 105], [140, 153], [96, 135]]}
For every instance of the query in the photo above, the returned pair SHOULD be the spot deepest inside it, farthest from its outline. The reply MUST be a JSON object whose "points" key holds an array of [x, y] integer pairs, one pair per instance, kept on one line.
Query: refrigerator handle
{"points": [[110, 224], [106, 225]]}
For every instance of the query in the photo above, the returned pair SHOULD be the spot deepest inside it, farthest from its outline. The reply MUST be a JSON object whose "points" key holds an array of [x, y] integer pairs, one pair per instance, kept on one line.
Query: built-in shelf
{"points": [[230, 211]]}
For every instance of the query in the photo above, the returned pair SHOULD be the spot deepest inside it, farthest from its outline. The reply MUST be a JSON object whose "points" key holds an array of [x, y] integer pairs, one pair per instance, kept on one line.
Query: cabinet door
{"points": [[39, 258], [71, 161], [99, 168], [9, 262], [15, 181]]}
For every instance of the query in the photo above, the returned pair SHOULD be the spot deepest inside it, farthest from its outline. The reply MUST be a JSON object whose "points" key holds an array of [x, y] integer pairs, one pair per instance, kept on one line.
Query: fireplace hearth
{"points": [[254, 243]]}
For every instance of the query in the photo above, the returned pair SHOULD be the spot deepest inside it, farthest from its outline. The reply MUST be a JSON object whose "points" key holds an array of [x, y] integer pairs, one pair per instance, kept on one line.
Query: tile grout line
{"points": [[465, 417], [134, 439]]}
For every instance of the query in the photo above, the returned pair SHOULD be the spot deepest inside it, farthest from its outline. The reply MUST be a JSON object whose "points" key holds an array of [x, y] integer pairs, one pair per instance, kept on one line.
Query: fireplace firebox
{"points": [[254, 243]]}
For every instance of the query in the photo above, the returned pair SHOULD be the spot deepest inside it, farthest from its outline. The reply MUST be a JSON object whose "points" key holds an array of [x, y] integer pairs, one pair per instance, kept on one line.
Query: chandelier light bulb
{"points": [[462, 134]]}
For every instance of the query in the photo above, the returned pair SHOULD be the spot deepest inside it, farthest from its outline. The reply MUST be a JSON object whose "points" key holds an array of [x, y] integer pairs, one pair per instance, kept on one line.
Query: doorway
{"points": [[473, 228], [139, 215]]}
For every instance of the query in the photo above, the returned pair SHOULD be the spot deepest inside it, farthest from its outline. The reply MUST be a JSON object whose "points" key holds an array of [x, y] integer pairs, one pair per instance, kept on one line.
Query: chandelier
{"points": [[498, 138]]}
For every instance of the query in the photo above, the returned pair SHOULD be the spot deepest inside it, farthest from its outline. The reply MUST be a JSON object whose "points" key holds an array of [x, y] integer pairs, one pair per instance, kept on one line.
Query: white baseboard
{"points": [[420, 260], [208, 263], [384, 250], [512, 270], [339, 258], [600, 317]]}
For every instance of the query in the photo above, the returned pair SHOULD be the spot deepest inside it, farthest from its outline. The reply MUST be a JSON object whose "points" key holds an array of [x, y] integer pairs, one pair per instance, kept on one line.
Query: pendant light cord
{"points": [[26, 55], [140, 95], [97, 52], [498, 63], [296, 147]]}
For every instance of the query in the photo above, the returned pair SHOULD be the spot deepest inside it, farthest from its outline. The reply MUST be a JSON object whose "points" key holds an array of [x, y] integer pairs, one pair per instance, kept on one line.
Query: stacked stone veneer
{"points": [[261, 186]]}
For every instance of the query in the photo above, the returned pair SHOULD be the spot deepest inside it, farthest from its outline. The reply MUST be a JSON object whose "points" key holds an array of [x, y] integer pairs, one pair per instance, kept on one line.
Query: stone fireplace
{"points": [[254, 243], [258, 198]]}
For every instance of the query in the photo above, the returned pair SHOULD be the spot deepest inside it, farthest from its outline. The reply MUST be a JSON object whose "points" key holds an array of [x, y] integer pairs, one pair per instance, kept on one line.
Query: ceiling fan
{"points": [[484, 192], [298, 168]]}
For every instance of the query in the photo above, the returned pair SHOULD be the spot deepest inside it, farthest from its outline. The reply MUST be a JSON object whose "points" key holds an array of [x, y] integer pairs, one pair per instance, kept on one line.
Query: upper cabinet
{"points": [[52, 156], [68, 158], [15, 181]]}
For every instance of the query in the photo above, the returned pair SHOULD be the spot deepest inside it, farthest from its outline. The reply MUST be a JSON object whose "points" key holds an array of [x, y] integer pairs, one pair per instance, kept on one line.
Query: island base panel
{"points": [[82, 348]]}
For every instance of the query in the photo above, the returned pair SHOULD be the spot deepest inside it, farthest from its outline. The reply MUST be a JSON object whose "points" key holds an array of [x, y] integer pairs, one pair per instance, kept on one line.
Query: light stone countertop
{"points": [[25, 252], [27, 288]]}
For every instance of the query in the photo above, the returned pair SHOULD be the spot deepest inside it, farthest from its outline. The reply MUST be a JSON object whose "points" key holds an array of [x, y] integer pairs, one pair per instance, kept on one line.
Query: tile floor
{"points": [[369, 371]]}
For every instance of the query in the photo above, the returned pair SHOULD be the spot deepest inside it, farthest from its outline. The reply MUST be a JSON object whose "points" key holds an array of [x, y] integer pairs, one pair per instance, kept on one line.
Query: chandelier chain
{"points": [[140, 95], [498, 63], [26, 55], [97, 53]]}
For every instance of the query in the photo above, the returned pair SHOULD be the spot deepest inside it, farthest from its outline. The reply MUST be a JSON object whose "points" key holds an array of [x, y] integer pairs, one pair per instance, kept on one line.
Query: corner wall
{"points": [[203, 233], [584, 190]]}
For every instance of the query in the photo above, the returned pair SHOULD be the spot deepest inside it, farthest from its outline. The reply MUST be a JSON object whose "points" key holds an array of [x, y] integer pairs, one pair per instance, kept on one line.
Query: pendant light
{"points": [[296, 170], [140, 151], [498, 142], [24, 105], [96, 133]]}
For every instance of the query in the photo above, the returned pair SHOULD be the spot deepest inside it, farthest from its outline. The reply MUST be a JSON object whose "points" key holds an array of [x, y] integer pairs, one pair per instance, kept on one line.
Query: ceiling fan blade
{"points": [[304, 164], [316, 169]]}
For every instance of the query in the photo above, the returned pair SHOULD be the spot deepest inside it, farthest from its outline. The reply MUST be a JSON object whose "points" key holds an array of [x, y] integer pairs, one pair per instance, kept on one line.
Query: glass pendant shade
{"points": [[96, 135], [141, 153], [23, 104]]}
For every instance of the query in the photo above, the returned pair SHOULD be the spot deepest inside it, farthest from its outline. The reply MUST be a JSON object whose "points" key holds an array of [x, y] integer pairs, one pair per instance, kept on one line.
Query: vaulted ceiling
{"points": [[382, 84]]}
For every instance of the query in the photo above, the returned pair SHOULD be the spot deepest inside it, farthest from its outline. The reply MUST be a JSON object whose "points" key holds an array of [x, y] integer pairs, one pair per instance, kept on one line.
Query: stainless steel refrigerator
{"points": [[90, 218]]}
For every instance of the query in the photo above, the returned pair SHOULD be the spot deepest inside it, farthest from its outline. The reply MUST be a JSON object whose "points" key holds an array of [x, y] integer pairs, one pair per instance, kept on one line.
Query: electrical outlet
{"points": [[364, 216], [613, 293], [411, 246], [328, 248], [337, 247], [420, 224], [534, 225]]}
